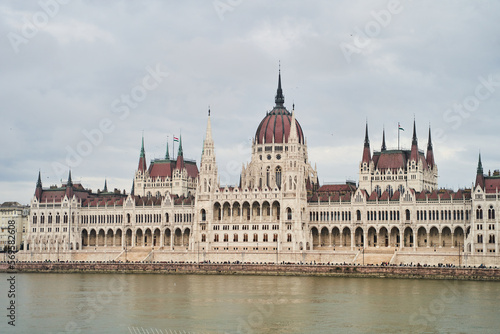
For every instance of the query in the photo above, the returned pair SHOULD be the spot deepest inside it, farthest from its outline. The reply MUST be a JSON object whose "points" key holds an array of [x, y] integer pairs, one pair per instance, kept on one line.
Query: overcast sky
{"points": [[81, 81]]}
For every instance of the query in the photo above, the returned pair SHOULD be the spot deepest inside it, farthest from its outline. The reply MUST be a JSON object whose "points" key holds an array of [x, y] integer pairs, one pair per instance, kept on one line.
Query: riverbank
{"points": [[334, 270]]}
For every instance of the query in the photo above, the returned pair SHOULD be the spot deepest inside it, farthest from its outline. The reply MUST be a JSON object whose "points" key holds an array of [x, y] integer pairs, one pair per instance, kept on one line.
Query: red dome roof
{"points": [[276, 125]]}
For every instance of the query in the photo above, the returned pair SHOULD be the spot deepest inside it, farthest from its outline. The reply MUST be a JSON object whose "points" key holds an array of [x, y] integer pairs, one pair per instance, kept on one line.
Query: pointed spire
{"points": [[414, 144], [279, 99], [479, 165], [179, 152], [366, 149], [105, 190], [70, 182], [430, 154], [208, 135], [384, 147], [429, 141], [142, 158], [367, 141], [39, 190], [167, 155], [133, 188], [414, 138], [39, 182], [143, 154], [69, 187], [479, 175]]}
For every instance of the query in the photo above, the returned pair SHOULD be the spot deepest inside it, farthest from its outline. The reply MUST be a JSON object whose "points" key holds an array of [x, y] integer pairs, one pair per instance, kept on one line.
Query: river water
{"points": [[157, 303]]}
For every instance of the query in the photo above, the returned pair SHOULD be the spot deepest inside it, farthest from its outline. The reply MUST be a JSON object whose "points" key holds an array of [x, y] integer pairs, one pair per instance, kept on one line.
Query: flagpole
{"points": [[173, 147]]}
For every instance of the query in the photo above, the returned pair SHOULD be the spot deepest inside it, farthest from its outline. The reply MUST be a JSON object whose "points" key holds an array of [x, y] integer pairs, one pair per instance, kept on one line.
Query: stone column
{"points": [[415, 240], [440, 238], [401, 239], [353, 241], [365, 238], [428, 239]]}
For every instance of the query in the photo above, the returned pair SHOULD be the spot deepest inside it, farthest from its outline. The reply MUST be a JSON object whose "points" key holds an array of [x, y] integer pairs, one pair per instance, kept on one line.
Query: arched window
{"points": [[491, 212], [226, 237], [216, 238], [268, 177], [289, 237], [245, 237], [203, 238], [34, 219], [235, 237], [255, 237], [390, 190], [358, 215], [479, 213], [378, 191], [203, 215], [407, 214], [278, 177]]}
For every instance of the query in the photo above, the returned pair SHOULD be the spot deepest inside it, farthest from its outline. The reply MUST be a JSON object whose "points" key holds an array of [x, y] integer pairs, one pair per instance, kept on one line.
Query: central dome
{"points": [[275, 127]]}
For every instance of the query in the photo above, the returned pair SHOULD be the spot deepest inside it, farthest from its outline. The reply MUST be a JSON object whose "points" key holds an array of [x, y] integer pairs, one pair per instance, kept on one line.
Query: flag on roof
{"points": [[176, 139], [400, 127]]}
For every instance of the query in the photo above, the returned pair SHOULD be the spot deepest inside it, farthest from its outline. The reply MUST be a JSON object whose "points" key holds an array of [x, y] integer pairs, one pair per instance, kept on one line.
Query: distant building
{"points": [[13, 217], [277, 209]]}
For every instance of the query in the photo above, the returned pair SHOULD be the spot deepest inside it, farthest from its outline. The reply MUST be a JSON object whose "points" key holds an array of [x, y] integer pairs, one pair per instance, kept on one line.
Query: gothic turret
{"points": [[384, 147], [180, 156], [480, 174], [142, 158], [38, 191], [430, 154], [366, 148], [69, 187], [414, 144]]}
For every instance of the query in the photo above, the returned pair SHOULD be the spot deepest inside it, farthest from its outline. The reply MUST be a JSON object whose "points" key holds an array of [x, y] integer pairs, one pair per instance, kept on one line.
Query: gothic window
{"points": [[245, 237], [479, 213], [216, 238], [289, 214], [203, 238], [390, 190], [278, 177], [378, 191], [289, 237], [491, 212], [203, 215], [268, 177]]}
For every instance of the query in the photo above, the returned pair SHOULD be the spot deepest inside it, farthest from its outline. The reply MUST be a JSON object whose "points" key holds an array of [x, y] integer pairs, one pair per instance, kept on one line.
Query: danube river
{"points": [[157, 303]]}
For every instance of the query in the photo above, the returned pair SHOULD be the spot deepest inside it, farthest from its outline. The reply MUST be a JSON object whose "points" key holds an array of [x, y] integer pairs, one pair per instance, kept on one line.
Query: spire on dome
{"points": [[366, 149], [279, 99], [384, 147]]}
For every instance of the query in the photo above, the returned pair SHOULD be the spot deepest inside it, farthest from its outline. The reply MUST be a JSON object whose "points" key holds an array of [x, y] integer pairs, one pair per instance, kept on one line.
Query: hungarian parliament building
{"points": [[178, 211]]}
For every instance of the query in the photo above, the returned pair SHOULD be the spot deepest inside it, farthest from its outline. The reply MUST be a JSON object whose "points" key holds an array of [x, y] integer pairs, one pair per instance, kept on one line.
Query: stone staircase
{"points": [[374, 256], [135, 254]]}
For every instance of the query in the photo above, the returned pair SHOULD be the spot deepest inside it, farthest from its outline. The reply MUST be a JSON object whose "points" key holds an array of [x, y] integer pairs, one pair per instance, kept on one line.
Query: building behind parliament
{"points": [[278, 212]]}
